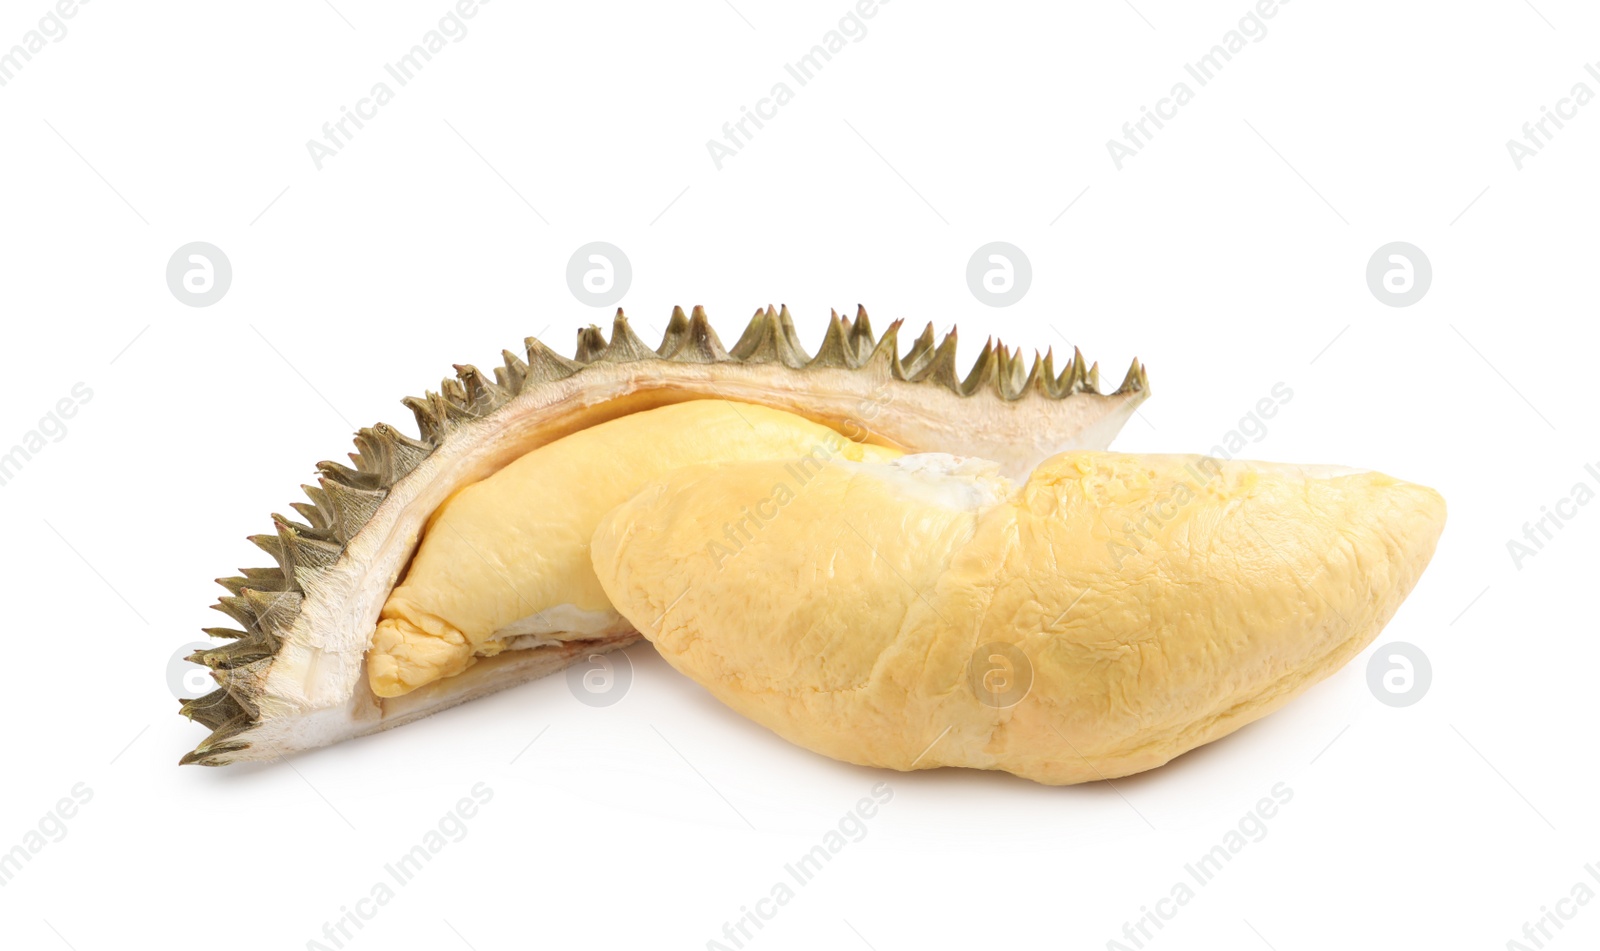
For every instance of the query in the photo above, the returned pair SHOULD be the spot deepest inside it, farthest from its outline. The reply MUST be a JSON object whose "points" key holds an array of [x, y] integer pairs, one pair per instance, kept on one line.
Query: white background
{"points": [[1229, 255]]}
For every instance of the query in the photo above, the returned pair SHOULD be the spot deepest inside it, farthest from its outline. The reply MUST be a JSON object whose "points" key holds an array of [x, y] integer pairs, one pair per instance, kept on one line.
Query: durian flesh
{"points": [[504, 563], [1102, 617]]}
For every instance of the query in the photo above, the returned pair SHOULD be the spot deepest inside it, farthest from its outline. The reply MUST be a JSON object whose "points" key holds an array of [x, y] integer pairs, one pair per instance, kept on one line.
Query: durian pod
{"points": [[1103, 616], [294, 677]]}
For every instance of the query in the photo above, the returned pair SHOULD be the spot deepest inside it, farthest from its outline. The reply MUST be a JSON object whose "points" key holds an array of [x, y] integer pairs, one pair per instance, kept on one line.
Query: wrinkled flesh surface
{"points": [[1150, 604], [504, 562]]}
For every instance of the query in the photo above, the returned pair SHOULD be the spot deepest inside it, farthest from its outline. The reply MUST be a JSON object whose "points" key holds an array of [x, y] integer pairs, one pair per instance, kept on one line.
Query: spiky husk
{"points": [[269, 603]]}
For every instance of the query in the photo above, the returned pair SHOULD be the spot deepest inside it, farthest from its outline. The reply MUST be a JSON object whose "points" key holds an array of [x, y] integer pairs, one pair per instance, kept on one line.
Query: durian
{"points": [[295, 672], [1097, 619]]}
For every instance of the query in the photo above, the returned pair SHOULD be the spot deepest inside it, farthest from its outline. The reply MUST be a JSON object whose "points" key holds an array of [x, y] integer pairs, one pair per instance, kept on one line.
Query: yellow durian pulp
{"points": [[504, 563], [1104, 616]]}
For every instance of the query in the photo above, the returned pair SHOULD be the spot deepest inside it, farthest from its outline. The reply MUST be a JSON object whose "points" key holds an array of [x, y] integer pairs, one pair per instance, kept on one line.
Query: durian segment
{"points": [[1105, 616], [293, 677], [504, 563]]}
